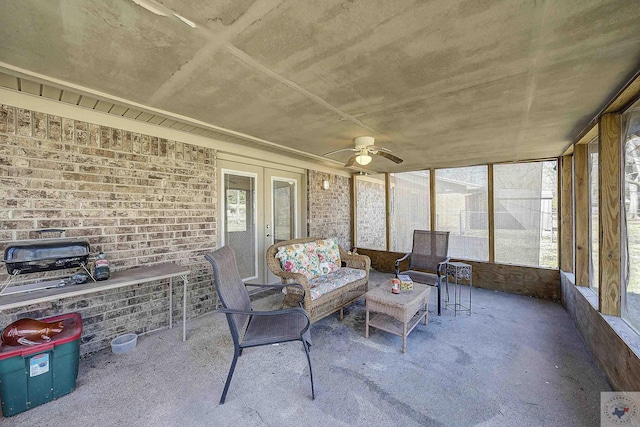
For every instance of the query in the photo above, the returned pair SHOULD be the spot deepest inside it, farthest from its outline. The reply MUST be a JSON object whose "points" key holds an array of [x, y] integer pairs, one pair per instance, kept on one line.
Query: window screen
{"points": [[409, 208], [525, 216], [462, 209]]}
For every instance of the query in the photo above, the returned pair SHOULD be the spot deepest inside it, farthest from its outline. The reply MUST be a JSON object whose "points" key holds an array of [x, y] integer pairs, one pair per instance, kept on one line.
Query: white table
{"points": [[118, 279]]}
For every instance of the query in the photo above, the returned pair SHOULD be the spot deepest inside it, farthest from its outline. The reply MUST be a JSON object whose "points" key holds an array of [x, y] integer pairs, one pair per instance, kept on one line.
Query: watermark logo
{"points": [[619, 408]]}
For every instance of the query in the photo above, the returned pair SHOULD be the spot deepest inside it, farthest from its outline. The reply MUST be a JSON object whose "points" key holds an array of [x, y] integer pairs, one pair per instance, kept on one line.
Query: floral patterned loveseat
{"points": [[332, 277]]}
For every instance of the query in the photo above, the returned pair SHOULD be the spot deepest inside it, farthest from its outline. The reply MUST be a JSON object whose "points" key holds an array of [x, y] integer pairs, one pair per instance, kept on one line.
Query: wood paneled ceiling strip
{"points": [[145, 117], [118, 110], [156, 120], [30, 87], [51, 92], [85, 101], [8, 81], [168, 123], [132, 113], [70, 97], [103, 106]]}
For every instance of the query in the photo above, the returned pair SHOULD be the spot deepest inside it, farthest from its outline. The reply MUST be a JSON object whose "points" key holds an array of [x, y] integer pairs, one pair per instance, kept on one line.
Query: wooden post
{"points": [[582, 209], [490, 212], [354, 234], [566, 213], [610, 208], [432, 195], [387, 196]]}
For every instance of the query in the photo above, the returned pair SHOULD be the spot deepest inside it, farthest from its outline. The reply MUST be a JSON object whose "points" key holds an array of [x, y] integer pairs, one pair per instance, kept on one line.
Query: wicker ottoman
{"points": [[396, 313]]}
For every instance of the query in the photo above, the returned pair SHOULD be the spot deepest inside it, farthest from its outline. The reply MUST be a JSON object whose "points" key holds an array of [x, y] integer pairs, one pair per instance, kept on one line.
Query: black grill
{"points": [[45, 255]]}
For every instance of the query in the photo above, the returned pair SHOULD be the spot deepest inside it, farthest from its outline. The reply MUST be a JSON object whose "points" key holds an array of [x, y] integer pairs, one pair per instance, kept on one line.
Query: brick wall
{"points": [[140, 199], [329, 211]]}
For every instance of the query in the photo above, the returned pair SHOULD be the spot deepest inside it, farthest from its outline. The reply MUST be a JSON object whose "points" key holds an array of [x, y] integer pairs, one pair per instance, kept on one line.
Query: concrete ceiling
{"points": [[441, 83]]}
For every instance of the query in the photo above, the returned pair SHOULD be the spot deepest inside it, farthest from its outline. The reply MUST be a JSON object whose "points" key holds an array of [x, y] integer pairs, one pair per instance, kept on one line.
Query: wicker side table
{"points": [[396, 313], [459, 271]]}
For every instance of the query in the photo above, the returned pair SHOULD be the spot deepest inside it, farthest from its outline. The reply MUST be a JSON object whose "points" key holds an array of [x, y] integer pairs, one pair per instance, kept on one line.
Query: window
{"points": [[371, 212], [236, 210], [593, 214], [409, 208], [461, 208], [525, 213], [631, 266]]}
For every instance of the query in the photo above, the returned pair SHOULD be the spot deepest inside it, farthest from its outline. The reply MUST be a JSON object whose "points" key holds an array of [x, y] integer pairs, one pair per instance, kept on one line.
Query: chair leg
{"points": [[306, 350], [439, 301], [236, 354]]}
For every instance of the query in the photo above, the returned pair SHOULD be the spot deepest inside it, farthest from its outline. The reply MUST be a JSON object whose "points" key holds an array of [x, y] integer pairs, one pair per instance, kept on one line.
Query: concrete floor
{"points": [[515, 361]]}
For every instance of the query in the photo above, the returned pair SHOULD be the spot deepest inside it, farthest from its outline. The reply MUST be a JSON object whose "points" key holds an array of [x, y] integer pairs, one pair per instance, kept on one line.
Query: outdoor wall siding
{"points": [[329, 211], [141, 199]]}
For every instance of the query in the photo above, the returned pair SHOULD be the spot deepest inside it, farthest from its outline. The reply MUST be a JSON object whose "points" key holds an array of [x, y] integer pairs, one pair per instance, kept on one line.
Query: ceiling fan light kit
{"points": [[363, 158]]}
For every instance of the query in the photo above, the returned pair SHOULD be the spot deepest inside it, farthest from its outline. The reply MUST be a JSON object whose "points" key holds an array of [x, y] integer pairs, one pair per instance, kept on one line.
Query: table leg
{"points": [[404, 337], [184, 308], [366, 324]]}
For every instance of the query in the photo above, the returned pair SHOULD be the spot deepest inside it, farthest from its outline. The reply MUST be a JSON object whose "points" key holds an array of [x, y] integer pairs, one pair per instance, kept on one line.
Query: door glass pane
{"points": [[371, 224], [284, 213], [240, 221], [462, 209], [409, 208], [525, 213]]}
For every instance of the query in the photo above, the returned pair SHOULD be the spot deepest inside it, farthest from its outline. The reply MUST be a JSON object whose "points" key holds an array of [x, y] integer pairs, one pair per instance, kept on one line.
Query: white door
{"points": [[283, 207], [258, 206]]}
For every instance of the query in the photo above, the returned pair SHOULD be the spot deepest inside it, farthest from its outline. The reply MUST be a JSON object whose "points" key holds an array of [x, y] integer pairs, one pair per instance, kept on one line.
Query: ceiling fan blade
{"points": [[389, 156], [351, 161], [337, 151], [377, 148]]}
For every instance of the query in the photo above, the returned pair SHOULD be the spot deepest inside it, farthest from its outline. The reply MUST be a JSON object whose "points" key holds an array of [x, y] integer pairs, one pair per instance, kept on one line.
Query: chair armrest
{"points": [[398, 261], [442, 264]]}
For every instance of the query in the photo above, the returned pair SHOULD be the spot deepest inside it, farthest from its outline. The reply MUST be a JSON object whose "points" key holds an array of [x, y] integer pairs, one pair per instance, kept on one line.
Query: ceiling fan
{"points": [[363, 149]]}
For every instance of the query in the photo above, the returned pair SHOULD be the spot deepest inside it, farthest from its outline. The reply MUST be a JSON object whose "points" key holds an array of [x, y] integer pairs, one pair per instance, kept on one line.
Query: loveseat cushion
{"points": [[327, 282], [328, 255], [300, 258]]}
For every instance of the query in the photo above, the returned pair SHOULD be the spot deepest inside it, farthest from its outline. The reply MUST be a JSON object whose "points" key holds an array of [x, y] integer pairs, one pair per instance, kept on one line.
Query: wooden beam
{"points": [[565, 225], [568, 151], [609, 207], [588, 135], [490, 210], [582, 209], [625, 97]]}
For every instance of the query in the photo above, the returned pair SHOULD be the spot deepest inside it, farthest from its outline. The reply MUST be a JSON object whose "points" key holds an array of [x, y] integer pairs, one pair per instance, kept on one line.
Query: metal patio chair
{"points": [[251, 328], [427, 259]]}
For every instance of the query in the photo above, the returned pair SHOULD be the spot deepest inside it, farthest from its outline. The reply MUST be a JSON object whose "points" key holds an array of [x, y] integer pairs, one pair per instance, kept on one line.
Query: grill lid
{"points": [[43, 255]]}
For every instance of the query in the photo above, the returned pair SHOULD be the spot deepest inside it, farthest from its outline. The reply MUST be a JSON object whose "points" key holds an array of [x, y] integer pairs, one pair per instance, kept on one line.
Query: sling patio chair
{"points": [[427, 259], [251, 328]]}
